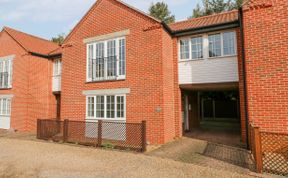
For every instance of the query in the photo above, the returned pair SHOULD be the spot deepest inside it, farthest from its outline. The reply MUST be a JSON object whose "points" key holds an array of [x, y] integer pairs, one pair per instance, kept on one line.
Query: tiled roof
{"points": [[32, 43], [257, 3], [205, 21]]}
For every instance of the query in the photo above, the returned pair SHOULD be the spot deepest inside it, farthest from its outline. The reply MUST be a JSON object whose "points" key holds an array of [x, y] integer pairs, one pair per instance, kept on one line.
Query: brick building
{"points": [[26, 70], [226, 69]]}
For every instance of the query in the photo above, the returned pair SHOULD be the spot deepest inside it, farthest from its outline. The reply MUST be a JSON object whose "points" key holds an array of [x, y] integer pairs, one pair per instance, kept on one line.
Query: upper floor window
{"points": [[205, 46], [57, 67], [6, 73], [222, 44], [184, 49], [106, 60], [191, 48], [197, 48]]}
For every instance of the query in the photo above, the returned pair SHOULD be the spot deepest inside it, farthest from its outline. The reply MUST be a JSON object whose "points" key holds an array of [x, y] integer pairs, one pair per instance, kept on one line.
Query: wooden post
{"points": [[100, 122], [258, 150], [39, 129], [144, 141], [65, 130]]}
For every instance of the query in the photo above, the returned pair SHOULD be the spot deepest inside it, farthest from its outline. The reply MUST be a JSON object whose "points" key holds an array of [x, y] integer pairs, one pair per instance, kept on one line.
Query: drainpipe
{"points": [[244, 74]]}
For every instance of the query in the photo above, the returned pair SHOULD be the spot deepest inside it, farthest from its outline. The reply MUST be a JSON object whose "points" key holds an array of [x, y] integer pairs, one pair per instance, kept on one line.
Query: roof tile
{"points": [[32, 43], [215, 19]]}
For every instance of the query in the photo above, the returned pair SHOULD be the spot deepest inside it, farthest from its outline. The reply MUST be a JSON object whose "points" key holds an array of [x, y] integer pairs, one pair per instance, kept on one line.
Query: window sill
{"points": [[189, 60], [220, 57], [105, 120], [105, 81], [6, 88]]}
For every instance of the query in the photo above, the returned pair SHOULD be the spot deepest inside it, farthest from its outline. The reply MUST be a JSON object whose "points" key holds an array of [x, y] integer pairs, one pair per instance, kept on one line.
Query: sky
{"points": [[48, 18]]}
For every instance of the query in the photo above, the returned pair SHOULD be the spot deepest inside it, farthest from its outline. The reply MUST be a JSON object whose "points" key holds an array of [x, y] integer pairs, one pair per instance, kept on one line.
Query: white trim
{"points": [[107, 36], [118, 91], [10, 57], [7, 96]]}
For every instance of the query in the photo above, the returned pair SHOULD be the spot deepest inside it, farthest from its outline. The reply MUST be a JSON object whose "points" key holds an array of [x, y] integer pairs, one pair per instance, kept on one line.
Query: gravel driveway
{"points": [[28, 158]]}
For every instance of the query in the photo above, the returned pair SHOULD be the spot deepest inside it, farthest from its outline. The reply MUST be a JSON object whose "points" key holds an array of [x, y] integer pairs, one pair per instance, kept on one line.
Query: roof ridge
{"points": [[203, 17], [33, 36], [95, 5]]}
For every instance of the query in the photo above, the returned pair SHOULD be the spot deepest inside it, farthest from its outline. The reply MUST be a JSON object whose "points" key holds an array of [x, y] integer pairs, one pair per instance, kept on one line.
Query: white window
{"points": [[106, 107], [6, 73], [184, 49], [208, 45], [106, 60], [57, 67], [222, 44], [197, 47], [5, 106], [229, 41]]}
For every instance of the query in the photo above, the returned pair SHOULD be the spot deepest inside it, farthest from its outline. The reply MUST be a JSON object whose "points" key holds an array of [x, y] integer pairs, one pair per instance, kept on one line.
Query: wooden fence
{"points": [[117, 135], [269, 150]]}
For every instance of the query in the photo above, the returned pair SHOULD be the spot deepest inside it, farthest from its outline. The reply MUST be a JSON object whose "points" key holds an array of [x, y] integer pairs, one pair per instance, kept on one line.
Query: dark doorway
{"points": [[212, 115], [58, 106]]}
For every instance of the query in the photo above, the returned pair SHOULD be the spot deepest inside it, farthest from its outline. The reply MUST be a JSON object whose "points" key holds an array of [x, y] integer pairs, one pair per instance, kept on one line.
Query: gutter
{"points": [[46, 56], [244, 74], [194, 31]]}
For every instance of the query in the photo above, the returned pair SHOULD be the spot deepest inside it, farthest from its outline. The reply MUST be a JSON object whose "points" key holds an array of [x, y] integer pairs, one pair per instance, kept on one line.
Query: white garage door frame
{"points": [[5, 111]]}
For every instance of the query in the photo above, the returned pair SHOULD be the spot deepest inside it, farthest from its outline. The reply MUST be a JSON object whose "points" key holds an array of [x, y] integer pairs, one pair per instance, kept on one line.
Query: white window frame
{"points": [[7, 102], [3, 61], [205, 43], [105, 108], [118, 77], [57, 67]]}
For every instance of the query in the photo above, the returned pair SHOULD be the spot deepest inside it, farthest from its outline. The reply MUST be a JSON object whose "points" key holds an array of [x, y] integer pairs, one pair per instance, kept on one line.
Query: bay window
{"points": [[222, 44], [106, 107], [106, 60]]}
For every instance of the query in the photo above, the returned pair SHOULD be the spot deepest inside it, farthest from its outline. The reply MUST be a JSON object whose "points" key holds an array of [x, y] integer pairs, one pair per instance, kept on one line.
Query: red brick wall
{"points": [[31, 86], [41, 100], [145, 68], [241, 87], [168, 87], [266, 34], [177, 92]]}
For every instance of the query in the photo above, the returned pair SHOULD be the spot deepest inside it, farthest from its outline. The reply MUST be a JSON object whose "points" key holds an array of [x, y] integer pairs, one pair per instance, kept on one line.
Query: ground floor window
{"points": [[106, 107], [5, 107]]}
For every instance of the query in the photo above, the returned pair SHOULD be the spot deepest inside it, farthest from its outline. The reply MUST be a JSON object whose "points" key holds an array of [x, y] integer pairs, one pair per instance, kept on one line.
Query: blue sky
{"points": [[48, 18]]}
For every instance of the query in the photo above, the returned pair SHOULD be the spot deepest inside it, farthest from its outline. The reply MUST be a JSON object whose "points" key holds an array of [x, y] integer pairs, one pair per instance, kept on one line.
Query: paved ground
{"points": [[30, 158], [207, 154]]}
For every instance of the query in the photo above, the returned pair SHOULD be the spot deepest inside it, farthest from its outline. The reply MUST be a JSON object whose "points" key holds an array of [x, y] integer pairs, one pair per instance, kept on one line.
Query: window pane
{"points": [[8, 106], [122, 56], [98, 63], [197, 48], [229, 43], [91, 106], [90, 60], [110, 106], [4, 106], [120, 107], [111, 59], [215, 45], [1, 110], [184, 49], [100, 106]]}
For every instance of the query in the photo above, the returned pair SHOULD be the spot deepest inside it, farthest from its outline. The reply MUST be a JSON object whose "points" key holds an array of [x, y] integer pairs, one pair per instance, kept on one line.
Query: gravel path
{"points": [[25, 158]]}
